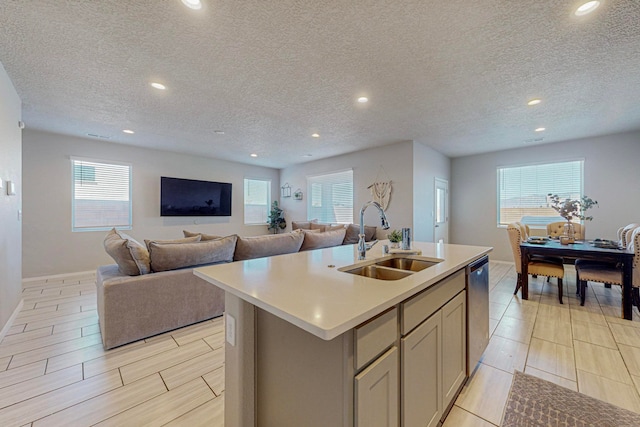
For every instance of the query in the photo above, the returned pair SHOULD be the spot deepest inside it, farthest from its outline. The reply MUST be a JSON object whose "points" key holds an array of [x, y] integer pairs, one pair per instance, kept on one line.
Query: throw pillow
{"points": [[354, 229], [268, 245], [321, 227], [322, 240], [132, 258], [169, 256], [191, 239], [203, 236]]}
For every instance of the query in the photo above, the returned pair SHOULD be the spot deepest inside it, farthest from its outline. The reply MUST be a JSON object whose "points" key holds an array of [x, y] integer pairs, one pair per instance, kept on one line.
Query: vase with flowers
{"points": [[570, 209]]}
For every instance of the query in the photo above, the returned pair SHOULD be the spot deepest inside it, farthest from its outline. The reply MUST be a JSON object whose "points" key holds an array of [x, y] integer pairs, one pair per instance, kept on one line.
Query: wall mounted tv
{"points": [[190, 197]]}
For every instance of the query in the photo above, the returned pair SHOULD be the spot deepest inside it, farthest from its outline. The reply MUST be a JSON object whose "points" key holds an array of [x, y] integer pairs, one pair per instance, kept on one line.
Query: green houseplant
{"points": [[395, 237], [276, 221], [570, 209]]}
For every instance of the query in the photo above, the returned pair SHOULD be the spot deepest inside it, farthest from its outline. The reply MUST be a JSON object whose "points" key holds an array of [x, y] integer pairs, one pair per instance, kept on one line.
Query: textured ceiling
{"points": [[451, 74]]}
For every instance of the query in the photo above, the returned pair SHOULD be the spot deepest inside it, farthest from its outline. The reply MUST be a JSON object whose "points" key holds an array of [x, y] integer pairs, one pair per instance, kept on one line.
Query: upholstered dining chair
{"points": [[611, 274], [556, 229], [536, 266]]}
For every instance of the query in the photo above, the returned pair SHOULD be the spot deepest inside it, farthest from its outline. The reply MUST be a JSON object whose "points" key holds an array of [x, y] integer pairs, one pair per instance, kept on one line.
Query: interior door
{"points": [[441, 205]]}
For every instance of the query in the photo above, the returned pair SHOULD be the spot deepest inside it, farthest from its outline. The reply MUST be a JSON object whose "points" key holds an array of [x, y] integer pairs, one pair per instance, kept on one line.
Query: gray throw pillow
{"points": [[203, 236], [191, 239], [323, 240], [171, 256], [354, 229], [268, 245], [132, 258]]}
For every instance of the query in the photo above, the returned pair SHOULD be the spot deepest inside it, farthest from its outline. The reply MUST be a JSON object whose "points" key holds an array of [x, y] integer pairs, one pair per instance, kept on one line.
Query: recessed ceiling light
{"points": [[159, 86], [587, 8], [254, 155], [534, 101], [129, 131], [540, 129], [315, 135], [192, 4], [363, 99]]}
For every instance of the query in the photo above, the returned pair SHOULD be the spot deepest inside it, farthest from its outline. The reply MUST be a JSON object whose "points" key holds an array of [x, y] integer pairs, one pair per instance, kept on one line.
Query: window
{"points": [[523, 190], [101, 195], [331, 197], [257, 200]]}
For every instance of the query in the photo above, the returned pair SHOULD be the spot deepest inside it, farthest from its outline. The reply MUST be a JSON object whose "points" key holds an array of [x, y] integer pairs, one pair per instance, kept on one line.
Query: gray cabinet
{"points": [[376, 392], [421, 378], [454, 347], [433, 364]]}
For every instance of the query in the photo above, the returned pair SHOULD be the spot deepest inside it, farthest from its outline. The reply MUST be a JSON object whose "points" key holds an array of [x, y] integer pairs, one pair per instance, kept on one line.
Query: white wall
{"points": [[410, 166], [11, 227], [49, 245], [428, 165], [611, 176]]}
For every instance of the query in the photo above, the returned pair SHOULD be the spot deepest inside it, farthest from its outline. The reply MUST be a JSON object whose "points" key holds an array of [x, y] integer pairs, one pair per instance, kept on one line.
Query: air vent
{"points": [[93, 135], [529, 141]]}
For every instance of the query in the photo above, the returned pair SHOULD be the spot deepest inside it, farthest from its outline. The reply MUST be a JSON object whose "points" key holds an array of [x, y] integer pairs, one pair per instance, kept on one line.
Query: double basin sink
{"points": [[393, 267]]}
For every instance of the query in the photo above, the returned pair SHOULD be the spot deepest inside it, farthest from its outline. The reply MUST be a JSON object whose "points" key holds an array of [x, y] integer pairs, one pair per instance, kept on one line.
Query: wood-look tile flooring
{"points": [[54, 371], [589, 349]]}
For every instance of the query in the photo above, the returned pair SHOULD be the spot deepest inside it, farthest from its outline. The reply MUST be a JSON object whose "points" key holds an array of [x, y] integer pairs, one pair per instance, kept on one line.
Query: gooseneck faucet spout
{"points": [[363, 247]]}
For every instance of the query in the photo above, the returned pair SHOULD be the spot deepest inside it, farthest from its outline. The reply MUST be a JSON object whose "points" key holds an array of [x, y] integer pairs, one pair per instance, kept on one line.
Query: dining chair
{"points": [[556, 229], [536, 266], [612, 274]]}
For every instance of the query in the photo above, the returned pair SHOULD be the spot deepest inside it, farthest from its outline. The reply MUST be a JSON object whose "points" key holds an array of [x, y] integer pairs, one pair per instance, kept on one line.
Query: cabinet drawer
{"points": [[375, 336], [427, 302]]}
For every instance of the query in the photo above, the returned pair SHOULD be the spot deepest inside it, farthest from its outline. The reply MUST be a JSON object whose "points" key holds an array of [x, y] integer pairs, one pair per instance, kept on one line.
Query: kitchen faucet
{"points": [[363, 247]]}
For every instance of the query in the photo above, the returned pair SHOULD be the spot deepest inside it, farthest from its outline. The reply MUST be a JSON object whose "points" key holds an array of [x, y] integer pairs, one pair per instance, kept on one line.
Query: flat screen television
{"points": [[190, 197]]}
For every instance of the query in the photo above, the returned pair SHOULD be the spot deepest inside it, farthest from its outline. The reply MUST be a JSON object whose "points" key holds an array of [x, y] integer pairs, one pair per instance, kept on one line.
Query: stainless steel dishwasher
{"points": [[477, 311]]}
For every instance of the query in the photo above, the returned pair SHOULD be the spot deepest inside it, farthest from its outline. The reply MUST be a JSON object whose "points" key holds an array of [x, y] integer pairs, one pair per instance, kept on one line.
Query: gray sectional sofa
{"points": [[152, 289]]}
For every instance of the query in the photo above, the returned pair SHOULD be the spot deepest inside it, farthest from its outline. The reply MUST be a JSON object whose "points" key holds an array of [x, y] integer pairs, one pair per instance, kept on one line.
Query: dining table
{"points": [[622, 258]]}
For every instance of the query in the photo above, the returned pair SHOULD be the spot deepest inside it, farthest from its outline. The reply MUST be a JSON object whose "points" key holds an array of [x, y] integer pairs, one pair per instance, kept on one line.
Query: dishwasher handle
{"points": [[477, 265]]}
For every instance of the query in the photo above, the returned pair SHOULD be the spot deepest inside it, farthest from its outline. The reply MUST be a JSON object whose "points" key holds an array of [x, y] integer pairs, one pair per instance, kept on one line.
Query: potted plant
{"points": [[276, 221], [395, 237], [570, 209]]}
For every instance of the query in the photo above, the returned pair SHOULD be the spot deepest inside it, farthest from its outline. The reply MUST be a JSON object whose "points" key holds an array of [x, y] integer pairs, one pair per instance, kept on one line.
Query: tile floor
{"points": [[54, 371]]}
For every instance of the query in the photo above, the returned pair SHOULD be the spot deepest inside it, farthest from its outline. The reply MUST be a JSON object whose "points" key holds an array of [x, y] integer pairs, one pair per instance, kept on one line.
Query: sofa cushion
{"points": [[268, 245], [192, 239], [302, 225], [354, 229], [203, 236], [322, 240], [132, 258], [171, 256]]}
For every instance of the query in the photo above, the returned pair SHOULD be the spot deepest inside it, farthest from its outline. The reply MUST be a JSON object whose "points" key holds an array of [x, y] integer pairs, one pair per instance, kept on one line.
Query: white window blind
{"points": [[523, 190], [101, 195], [331, 197], [257, 200]]}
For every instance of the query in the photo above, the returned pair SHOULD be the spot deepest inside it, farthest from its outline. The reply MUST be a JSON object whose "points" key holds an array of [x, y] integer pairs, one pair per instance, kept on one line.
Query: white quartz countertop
{"points": [[307, 289]]}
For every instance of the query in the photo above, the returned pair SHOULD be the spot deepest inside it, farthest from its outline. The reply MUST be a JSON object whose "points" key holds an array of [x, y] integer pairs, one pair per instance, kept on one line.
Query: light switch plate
{"points": [[1, 184], [230, 326], [11, 188]]}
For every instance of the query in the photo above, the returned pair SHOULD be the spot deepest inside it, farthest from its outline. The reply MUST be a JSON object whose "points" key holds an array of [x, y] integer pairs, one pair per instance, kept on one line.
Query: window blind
{"points": [[101, 195], [257, 200], [330, 197], [523, 190]]}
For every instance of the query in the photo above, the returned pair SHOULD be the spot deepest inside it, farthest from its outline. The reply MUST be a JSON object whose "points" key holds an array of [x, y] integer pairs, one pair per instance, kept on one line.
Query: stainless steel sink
{"points": [[392, 267], [409, 264], [382, 273]]}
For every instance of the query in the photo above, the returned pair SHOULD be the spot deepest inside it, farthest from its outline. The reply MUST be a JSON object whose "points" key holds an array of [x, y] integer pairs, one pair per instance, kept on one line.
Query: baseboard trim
{"points": [[9, 323], [57, 276]]}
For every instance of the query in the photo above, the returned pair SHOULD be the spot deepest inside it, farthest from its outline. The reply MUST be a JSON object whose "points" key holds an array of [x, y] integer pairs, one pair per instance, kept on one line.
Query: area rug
{"points": [[536, 402]]}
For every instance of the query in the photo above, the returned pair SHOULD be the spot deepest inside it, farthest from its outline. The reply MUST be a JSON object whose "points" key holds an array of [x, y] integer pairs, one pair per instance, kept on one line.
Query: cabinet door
{"points": [[376, 392], [454, 351], [421, 374]]}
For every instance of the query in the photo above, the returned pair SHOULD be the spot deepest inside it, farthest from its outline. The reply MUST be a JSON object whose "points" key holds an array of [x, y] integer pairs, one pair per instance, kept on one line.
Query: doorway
{"points": [[441, 204]]}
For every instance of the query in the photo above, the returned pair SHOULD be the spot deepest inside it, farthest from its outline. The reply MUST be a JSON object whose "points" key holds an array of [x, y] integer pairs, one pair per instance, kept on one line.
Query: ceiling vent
{"points": [[93, 135], [529, 141]]}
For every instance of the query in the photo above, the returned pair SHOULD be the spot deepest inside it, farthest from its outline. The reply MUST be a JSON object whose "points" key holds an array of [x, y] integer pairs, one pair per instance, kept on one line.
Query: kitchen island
{"points": [[310, 344]]}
